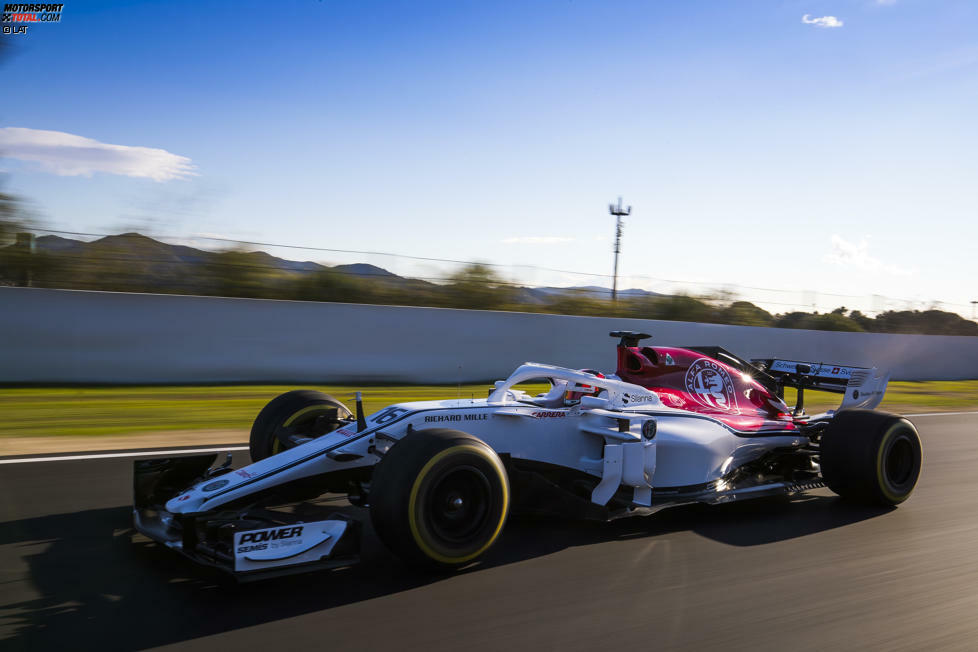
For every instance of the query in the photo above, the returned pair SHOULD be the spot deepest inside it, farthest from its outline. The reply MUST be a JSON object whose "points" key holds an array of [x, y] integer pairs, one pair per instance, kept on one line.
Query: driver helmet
{"points": [[572, 397]]}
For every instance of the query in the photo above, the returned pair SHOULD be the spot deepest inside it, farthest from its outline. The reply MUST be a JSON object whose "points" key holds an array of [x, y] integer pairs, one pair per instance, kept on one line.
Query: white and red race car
{"points": [[671, 426]]}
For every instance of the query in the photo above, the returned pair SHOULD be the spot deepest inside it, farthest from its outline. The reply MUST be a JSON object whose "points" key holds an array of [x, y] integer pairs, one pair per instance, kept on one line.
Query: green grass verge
{"points": [[67, 411], [82, 411]]}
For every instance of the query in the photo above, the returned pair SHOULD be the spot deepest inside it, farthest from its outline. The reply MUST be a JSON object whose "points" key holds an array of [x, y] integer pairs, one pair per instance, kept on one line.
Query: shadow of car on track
{"points": [[100, 583]]}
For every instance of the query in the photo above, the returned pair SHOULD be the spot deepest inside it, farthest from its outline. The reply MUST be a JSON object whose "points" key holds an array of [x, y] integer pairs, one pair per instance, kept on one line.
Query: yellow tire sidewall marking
{"points": [[306, 410], [277, 445], [880, 478], [413, 499]]}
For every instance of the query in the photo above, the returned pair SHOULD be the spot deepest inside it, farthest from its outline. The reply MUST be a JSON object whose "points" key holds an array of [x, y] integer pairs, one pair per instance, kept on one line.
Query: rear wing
{"points": [[862, 387]]}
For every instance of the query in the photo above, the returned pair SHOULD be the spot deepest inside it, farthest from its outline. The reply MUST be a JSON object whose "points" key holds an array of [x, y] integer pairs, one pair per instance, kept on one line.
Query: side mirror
{"points": [[593, 402]]}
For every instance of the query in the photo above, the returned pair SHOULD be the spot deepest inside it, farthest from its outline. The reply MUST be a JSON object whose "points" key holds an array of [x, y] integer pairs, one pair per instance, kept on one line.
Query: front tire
{"points": [[873, 457], [302, 412], [439, 498]]}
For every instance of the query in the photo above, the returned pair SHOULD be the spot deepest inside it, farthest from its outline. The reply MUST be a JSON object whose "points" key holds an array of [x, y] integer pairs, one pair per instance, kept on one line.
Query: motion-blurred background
{"points": [[789, 165]]}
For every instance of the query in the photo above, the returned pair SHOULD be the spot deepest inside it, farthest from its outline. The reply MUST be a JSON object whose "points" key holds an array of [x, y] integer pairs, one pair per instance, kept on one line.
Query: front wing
{"points": [[251, 541]]}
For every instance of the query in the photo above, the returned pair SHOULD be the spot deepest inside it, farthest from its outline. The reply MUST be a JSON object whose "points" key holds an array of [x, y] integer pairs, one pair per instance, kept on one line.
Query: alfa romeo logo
{"points": [[710, 384]]}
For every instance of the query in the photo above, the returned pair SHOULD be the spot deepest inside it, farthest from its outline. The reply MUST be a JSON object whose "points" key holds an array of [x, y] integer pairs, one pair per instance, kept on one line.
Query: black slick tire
{"points": [[439, 498], [871, 457], [302, 412]]}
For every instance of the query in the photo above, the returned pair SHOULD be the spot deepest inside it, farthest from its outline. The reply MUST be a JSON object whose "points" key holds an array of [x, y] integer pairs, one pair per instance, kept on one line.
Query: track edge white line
{"points": [[937, 414], [105, 456]]}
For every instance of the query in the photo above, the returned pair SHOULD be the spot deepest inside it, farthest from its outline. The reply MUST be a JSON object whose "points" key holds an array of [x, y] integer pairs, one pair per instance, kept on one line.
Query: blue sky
{"points": [[757, 148]]}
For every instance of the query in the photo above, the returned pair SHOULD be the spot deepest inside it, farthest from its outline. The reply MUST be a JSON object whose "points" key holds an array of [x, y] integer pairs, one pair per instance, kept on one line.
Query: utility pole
{"points": [[618, 213], [973, 304]]}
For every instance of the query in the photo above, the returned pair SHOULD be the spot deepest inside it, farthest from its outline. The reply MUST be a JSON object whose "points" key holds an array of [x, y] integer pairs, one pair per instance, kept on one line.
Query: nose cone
{"points": [[187, 502]]}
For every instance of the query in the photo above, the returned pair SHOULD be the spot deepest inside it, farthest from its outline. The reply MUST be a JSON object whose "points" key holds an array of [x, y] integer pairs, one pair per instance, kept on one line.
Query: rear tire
{"points": [[439, 498], [294, 413], [872, 457]]}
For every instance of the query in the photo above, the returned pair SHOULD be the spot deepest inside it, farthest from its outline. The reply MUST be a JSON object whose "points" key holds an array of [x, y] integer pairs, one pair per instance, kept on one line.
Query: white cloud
{"points": [[822, 21], [70, 155], [537, 240], [851, 254], [886, 2]]}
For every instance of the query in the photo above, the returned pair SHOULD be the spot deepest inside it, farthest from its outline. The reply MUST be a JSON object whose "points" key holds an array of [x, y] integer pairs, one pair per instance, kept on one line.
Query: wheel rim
{"points": [[459, 504], [899, 462]]}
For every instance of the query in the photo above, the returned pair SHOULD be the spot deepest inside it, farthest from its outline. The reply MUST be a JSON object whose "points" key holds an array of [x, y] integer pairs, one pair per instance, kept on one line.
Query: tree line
{"points": [[135, 263]]}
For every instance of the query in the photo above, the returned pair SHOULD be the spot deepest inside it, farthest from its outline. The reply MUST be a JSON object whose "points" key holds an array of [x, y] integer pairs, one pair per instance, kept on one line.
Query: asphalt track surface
{"points": [[810, 573]]}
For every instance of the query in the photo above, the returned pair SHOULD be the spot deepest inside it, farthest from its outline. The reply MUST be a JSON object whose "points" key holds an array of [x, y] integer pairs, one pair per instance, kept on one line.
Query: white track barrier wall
{"points": [[63, 336]]}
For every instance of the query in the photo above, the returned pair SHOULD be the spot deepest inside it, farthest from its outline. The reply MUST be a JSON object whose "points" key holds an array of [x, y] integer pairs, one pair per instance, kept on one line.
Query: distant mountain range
{"points": [[160, 259], [138, 244]]}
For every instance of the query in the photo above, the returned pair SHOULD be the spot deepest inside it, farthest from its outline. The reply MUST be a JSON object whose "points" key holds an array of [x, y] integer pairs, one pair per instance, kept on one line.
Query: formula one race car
{"points": [[672, 426]]}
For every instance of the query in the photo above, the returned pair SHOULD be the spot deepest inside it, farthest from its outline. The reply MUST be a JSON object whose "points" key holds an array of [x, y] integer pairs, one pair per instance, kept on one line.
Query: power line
{"points": [[435, 279], [331, 271], [342, 251], [77, 262]]}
